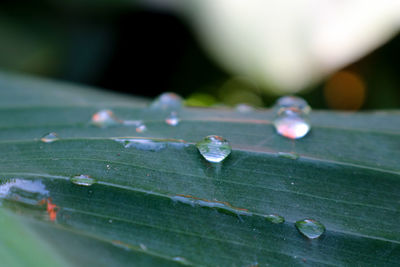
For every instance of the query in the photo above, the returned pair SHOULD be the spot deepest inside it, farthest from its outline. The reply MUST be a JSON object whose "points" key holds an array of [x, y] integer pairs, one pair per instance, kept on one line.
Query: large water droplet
{"points": [[292, 102], [25, 191], [104, 118], [172, 119], [48, 138], [214, 148], [291, 119], [167, 101], [274, 218], [83, 179], [292, 125], [310, 228]]}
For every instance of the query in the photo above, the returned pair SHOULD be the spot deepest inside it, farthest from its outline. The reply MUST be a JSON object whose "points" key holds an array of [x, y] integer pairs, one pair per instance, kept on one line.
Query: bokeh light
{"points": [[345, 90]]}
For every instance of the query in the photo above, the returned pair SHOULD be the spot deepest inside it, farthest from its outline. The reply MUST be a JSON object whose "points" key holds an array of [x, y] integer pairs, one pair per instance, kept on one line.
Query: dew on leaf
{"points": [[167, 101], [214, 148], [151, 144], [292, 125], [310, 228], [274, 218], [141, 128], [49, 137], [244, 108], [172, 119], [291, 118], [83, 180], [181, 260], [104, 118]]}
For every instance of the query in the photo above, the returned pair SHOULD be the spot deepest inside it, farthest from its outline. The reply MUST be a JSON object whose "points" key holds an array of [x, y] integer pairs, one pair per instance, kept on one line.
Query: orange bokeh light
{"points": [[345, 90]]}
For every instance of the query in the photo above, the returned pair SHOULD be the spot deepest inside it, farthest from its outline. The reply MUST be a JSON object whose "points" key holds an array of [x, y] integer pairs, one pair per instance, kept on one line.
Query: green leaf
{"points": [[158, 202]]}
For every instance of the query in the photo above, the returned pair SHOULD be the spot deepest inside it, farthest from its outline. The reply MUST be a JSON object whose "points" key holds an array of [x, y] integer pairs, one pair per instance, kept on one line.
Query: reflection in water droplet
{"points": [[84, 180], [291, 119], [244, 108], [292, 102], [214, 148], [292, 125], [172, 119], [274, 218], [288, 155], [104, 118], [167, 101], [151, 144], [48, 138], [310, 228], [141, 128]]}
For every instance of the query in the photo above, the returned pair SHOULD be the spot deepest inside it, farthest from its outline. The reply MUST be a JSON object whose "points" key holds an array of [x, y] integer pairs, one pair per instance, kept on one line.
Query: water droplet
{"points": [[143, 247], [172, 119], [104, 118], [244, 108], [84, 180], [141, 128], [151, 144], [288, 155], [292, 102], [167, 101], [274, 218], [291, 119], [292, 125], [110, 221], [214, 148], [220, 206], [48, 138], [25, 191], [310, 228], [181, 260]]}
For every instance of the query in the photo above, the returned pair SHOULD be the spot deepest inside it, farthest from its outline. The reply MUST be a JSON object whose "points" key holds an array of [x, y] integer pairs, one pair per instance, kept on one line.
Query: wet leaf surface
{"points": [[158, 202]]}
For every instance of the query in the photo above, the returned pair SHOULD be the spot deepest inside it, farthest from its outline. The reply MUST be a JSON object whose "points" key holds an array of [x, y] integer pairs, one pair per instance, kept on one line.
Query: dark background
{"points": [[125, 47]]}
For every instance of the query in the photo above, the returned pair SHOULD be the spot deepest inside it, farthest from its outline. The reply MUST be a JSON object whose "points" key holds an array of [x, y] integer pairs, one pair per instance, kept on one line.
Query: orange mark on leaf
{"points": [[50, 208]]}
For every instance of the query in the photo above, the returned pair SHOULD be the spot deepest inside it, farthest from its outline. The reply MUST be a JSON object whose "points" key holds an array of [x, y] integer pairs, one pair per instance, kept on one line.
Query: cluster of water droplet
{"points": [[291, 121], [291, 117]]}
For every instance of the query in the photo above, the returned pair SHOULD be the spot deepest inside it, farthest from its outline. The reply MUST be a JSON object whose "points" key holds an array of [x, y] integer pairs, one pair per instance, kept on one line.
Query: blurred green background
{"points": [[149, 47]]}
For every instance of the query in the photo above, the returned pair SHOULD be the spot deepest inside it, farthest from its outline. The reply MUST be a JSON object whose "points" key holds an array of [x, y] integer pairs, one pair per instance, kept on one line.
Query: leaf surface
{"points": [[158, 202]]}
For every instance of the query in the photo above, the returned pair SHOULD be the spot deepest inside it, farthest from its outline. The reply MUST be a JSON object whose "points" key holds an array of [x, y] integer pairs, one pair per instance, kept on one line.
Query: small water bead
{"points": [[244, 108], [104, 118], [310, 228], [141, 128], [50, 137], [214, 148], [274, 218], [181, 260], [167, 101], [172, 119], [83, 180], [292, 102]]}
